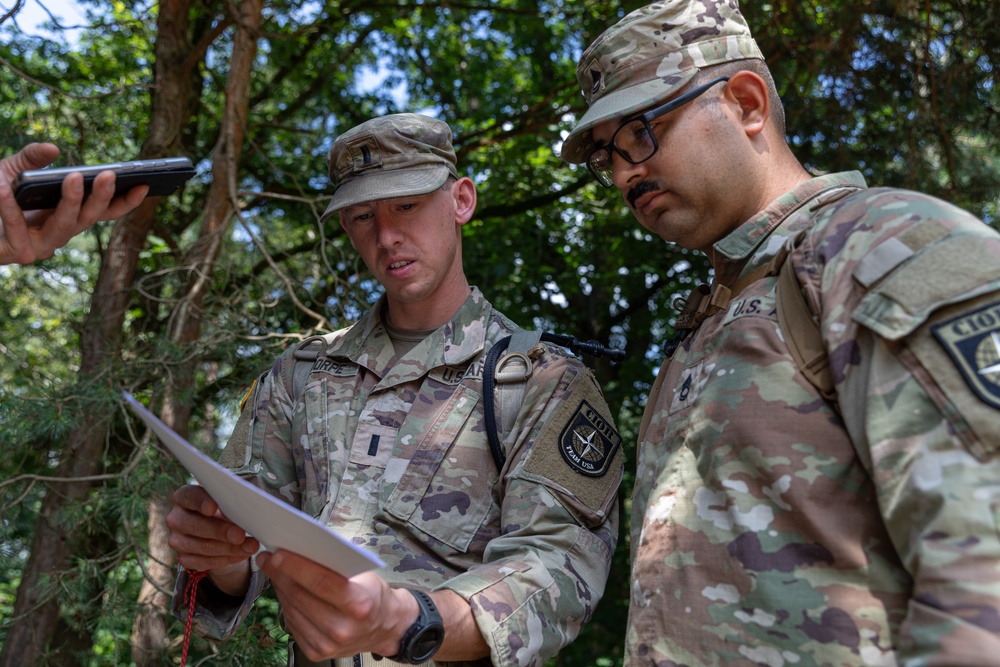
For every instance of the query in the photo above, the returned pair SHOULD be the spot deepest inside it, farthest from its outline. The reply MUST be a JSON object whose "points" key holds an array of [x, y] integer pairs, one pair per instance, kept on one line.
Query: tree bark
{"points": [[149, 635], [35, 620]]}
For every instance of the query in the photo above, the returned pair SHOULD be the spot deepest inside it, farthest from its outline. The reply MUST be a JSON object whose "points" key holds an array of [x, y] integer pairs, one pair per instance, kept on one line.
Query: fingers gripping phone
{"points": [[42, 188]]}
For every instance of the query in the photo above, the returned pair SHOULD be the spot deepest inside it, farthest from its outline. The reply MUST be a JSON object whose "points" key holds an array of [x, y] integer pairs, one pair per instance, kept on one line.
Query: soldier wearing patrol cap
{"points": [[384, 439], [783, 515]]}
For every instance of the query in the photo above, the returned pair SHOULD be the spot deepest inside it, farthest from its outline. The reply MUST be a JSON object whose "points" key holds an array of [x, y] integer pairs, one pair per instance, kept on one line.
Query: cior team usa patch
{"points": [[588, 443], [973, 341]]}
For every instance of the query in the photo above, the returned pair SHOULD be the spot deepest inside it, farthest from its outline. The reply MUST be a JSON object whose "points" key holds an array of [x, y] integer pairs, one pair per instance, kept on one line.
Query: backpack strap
{"points": [[700, 303], [795, 317], [511, 372], [801, 329], [798, 324], [295, 375]]}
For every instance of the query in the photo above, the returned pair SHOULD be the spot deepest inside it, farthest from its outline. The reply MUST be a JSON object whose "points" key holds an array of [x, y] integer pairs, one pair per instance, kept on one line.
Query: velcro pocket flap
{"points": [[938, 275]]}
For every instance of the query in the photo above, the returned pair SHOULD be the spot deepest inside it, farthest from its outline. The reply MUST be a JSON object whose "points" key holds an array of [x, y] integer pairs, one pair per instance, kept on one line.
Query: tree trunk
{"points": [[149, 637], [36, 610]]}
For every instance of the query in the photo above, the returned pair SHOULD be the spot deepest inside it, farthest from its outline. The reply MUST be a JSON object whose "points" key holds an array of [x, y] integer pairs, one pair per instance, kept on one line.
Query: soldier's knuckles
{"points": [[188, 497], [174, 519], [361, 609], [310, 633], [180, 543], [177, 542], [184, 543], [334, 635]]}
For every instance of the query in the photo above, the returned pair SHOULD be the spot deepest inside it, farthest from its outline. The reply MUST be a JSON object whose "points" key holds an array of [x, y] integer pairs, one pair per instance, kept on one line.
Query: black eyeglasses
{"points": [[634, 140]]}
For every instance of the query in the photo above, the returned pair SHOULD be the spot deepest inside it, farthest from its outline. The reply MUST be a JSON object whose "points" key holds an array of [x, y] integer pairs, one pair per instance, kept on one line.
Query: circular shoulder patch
{"points": [[589, 442], [973, 342]]}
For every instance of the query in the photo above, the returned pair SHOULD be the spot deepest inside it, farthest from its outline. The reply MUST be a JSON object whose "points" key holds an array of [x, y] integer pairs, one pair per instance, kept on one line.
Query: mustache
{"points": [[638, 190]]}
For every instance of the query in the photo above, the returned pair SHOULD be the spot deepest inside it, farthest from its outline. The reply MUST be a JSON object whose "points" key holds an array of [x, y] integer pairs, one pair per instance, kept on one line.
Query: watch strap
{"points": [[428, 621]]}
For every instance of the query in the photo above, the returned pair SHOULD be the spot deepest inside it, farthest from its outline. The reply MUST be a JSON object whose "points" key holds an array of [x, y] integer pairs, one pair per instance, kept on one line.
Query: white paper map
{"points": [[275, 524]]}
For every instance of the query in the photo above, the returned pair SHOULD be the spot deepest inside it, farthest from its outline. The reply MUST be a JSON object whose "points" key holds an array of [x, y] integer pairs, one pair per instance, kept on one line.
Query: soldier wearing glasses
{"points": [[782, 516]]}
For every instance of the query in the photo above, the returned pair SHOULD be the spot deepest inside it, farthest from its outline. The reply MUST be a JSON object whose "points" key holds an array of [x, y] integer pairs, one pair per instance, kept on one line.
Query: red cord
{"points": [[190, 594]]}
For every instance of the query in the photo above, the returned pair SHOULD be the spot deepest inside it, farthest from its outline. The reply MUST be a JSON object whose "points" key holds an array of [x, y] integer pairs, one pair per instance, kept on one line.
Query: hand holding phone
{"points": [[42, 188], [35, 234]]}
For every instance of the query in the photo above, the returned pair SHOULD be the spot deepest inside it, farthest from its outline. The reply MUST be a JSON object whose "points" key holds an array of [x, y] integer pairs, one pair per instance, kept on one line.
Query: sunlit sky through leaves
{"points": [[35, 12]]}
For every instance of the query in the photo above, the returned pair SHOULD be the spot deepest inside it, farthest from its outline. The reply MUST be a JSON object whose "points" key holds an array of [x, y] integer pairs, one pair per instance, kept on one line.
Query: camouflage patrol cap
{"points": [[651, 54], [399, 155]]}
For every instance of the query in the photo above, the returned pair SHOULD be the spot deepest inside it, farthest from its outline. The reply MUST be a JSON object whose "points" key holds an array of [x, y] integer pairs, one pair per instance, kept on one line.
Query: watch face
{"points": [[426, 643], [422, 640]]}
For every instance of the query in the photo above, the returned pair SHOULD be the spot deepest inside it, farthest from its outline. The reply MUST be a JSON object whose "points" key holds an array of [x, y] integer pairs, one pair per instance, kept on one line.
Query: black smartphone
{"points": [[42, 188]]}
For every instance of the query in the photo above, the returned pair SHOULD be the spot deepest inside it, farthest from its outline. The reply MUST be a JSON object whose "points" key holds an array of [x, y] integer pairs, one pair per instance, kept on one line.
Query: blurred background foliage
{"points": [[905, 91]]}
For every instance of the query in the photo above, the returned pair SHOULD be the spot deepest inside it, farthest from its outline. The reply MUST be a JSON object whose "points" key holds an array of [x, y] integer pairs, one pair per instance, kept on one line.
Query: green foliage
{"points": [[906, 92]]}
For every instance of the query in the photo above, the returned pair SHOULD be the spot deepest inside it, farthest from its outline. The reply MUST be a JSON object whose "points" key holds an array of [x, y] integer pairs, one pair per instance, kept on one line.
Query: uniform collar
{"points": [[455, 342], [735, 248]]}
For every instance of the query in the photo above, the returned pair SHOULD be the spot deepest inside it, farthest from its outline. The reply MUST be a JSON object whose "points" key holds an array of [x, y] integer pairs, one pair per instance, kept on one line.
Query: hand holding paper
{"points": [[206, 541], [275, 524]]}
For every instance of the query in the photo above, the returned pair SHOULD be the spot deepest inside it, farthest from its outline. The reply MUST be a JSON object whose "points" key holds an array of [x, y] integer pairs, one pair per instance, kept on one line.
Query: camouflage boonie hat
{"points": [[400, 155], [650, 54]]}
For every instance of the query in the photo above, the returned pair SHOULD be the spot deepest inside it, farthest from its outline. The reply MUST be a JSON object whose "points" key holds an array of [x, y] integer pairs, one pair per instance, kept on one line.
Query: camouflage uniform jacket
{"points": [[395, 457], [772, 527]]}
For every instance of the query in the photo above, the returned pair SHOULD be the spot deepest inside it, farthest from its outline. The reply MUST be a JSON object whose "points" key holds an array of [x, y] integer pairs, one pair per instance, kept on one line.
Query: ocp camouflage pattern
{"points": [[395, 458], [397, 155], [771, 527], [644, 59]]}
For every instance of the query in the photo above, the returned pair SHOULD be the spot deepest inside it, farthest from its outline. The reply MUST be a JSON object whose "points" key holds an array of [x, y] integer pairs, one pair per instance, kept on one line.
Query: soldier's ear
{"points": [[464, 193], [749, 91]]}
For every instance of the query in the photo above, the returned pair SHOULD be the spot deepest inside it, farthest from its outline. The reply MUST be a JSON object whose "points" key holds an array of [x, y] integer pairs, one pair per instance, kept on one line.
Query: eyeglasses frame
{"points": [[646, 117]]}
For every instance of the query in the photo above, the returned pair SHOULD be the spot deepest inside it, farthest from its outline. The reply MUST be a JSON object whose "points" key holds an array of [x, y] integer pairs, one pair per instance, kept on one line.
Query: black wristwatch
{"points": [[422, 639]]}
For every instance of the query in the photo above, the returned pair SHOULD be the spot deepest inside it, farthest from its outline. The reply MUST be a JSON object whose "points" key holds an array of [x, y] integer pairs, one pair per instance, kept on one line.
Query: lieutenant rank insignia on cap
{"points": [[973, 341], [589, 442]]}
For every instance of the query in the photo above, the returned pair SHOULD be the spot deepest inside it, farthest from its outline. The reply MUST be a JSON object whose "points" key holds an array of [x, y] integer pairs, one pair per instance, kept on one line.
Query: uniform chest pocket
{"points": [[445, 491], [319, 451]]}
